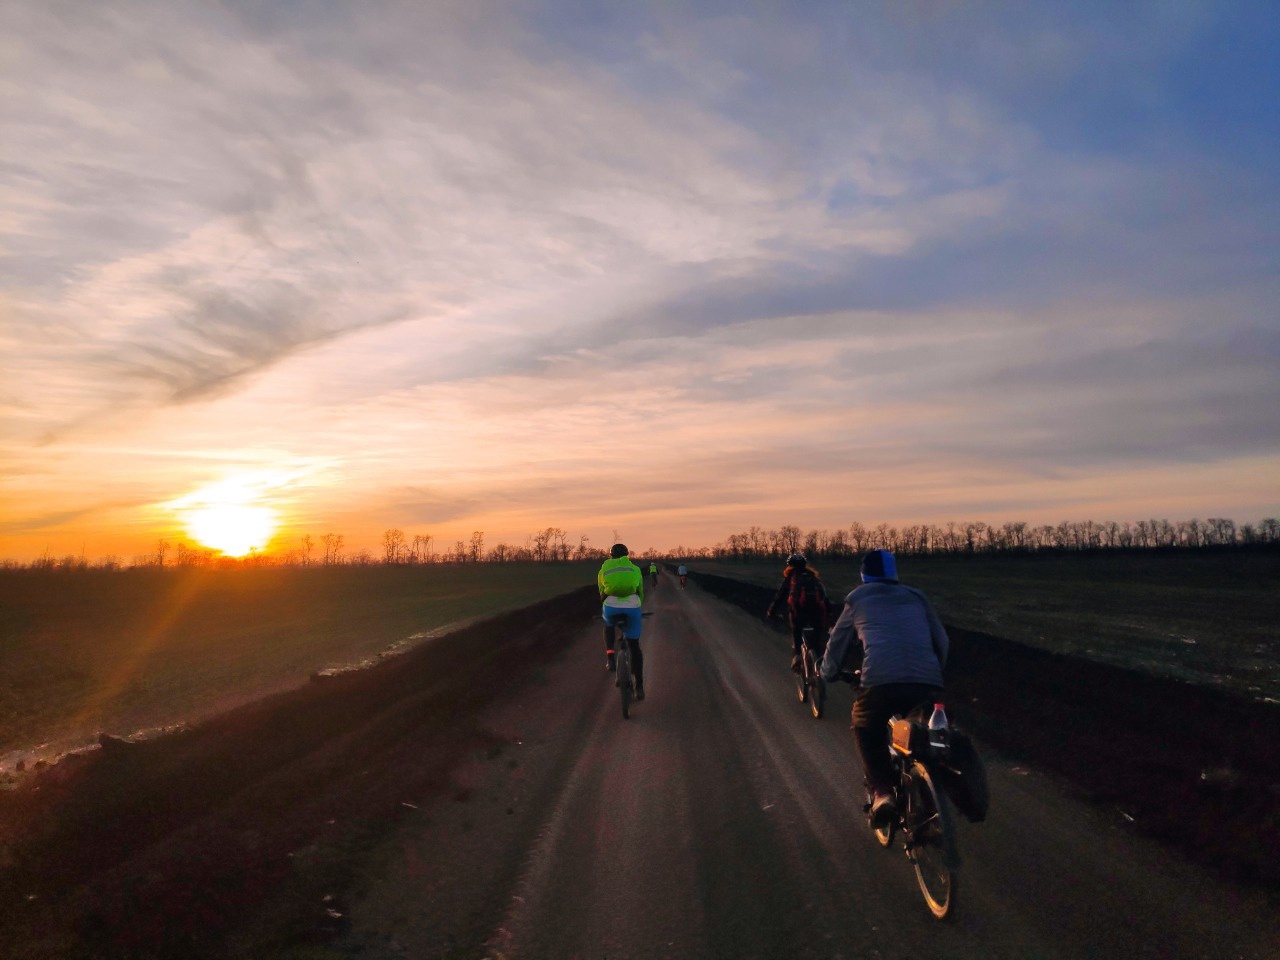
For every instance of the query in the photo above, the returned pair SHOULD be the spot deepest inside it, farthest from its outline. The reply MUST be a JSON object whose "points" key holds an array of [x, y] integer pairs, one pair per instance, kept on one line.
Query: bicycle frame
{"points": [[810, 687], [925, 823], [625, 679]]}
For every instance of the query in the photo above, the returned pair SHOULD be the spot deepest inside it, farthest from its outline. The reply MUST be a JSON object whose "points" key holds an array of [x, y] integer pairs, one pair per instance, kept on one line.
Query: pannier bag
{"points": [[963, 777]]}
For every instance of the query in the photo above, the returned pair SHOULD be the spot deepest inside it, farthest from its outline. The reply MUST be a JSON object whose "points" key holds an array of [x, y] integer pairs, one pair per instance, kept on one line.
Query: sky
{"points": [[653, 271]]}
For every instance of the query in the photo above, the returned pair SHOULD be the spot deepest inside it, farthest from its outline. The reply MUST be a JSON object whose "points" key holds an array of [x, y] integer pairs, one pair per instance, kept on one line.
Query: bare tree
{"points": [[542, 544], [477, 546], [421, 552], [392, 545], [162, 548], [332, 543], [307, 547]]}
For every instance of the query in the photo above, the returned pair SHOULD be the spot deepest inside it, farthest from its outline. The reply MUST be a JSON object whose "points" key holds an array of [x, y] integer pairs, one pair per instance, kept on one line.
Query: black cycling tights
{"points": [[637, 657]]}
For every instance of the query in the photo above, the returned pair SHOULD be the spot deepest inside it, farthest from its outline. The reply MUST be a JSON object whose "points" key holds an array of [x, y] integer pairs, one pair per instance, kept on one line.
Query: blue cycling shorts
{"points": [[631, 617]]}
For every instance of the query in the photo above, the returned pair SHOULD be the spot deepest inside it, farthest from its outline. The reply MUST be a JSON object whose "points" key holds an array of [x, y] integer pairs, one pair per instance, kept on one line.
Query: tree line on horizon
{"points": [[551, 545], [976, 537]]}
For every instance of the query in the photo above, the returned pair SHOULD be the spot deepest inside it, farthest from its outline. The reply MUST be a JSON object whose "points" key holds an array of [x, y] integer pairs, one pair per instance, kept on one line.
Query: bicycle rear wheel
{"points": [[625, 686], [817, 688], [932, 844]]}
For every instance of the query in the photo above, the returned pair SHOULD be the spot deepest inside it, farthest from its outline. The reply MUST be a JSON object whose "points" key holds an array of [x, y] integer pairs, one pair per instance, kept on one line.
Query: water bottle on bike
{"points": [[939, 730]]}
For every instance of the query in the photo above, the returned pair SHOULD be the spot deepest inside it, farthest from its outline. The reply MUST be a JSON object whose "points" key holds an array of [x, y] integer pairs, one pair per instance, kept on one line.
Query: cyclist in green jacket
{"points": [[621, 586]]}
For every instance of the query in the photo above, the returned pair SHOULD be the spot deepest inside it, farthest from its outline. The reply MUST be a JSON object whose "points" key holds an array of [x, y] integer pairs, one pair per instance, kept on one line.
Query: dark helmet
{"points": [[618, 550], [797, 560]]}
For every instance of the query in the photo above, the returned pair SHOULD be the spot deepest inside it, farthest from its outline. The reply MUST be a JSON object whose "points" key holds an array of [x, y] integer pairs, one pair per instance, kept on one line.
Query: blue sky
{"points": [[670, 270]]}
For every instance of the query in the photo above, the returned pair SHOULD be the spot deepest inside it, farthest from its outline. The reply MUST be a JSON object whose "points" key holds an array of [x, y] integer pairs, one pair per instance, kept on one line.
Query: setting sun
{"points": [[233, 529], [232, 516]]}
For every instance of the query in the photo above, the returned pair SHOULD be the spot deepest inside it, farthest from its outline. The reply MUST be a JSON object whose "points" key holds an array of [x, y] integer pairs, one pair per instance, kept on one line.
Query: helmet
{"points": [[796, 560], [618, 550]]}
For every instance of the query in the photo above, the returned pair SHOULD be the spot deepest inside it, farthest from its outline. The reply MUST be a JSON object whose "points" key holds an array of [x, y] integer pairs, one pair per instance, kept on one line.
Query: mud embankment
{"points": [[179, 846], [1193, 767]]}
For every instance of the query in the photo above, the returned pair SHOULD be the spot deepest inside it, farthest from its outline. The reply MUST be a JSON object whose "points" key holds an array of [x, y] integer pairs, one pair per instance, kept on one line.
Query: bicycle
{"points": [[624, 680], [922, 814], [810, 686]]}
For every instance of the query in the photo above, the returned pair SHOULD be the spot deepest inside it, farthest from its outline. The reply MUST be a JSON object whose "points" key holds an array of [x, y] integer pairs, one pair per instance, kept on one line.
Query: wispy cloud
{"points": [[431, 244]]}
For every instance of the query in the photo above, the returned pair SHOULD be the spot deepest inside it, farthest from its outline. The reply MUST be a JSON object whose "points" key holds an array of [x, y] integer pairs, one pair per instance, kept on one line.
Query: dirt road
{"points": [[722, 820], [483, 797]]}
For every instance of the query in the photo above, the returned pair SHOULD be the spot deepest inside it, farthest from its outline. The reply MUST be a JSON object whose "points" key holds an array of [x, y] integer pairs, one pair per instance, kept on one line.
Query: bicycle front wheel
{"points": [[932, 842]]}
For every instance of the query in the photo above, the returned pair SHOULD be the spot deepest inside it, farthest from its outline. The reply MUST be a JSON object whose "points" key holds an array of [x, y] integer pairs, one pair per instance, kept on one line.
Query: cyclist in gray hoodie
{"points": [[895, 632]]}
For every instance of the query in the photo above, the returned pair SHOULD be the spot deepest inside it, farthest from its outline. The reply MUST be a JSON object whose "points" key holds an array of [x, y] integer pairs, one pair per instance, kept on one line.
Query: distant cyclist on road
{"points": [[683, 573], [903, 650], [621, 587], [806, 599], [653, 573]]}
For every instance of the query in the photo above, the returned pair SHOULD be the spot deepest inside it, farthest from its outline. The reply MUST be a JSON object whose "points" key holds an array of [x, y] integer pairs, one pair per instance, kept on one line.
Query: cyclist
{"points": [[621, 586], [653, 573], [806, 599], [903, 648], [683, 572]]}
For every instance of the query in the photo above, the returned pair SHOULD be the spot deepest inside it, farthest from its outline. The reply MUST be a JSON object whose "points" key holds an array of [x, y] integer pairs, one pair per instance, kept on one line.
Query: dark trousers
{"points": [[819, 623], [637, 657], [872, 709]]}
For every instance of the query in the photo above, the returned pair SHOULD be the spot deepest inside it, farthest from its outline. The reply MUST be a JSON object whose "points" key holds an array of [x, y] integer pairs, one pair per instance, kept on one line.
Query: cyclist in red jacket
{"points": [[806, 599]]}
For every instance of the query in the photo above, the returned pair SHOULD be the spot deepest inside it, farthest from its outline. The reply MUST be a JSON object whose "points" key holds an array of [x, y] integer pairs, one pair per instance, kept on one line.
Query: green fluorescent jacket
{"points": [[620, 578]]}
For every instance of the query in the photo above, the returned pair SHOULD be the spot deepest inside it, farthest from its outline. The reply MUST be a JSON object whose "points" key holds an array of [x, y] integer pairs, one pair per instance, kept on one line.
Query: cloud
{"points": [[431, 242]]}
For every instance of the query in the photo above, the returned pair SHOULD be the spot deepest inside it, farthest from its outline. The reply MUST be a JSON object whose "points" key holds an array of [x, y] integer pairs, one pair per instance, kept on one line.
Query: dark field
{"points": [[83, 652], [1209, 618]]}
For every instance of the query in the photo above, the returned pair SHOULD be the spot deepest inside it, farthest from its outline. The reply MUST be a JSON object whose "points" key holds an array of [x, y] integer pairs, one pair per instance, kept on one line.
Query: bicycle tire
{"points": [[813, 683], [624, 678], [885, 829], [932, 845], [884, 832]]}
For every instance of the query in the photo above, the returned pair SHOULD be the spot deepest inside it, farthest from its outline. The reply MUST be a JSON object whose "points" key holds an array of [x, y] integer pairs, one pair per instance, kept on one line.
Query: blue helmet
{"points": [[878, 566]]}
